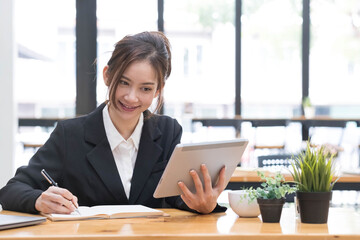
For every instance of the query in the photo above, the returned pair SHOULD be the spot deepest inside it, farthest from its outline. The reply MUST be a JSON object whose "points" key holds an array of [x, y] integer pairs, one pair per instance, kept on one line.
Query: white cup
{"points": [[241, 204]]}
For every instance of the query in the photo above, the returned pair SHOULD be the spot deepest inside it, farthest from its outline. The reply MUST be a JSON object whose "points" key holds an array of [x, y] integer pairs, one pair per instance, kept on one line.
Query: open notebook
{"points": [[108, 211]]}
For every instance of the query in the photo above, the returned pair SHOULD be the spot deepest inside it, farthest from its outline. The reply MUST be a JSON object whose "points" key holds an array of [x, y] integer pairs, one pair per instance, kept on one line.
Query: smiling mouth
{"points": [[128, 108]]}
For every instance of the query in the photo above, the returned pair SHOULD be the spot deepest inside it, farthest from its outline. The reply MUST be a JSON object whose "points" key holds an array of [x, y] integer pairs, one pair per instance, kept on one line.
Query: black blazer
{"points": [[78, 157]]}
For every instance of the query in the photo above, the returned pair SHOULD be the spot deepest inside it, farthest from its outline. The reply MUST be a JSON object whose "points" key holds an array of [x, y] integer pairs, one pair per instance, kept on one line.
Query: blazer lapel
{"points": [[148, 155], [101, 157]]}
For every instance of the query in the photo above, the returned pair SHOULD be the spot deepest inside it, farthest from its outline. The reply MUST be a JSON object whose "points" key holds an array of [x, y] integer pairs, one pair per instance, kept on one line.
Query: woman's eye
{"points": [[147, 89], [122, 82]]}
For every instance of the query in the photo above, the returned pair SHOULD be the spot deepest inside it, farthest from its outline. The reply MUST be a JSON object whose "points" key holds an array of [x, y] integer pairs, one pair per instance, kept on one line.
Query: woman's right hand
{"points": [[56, 200]]}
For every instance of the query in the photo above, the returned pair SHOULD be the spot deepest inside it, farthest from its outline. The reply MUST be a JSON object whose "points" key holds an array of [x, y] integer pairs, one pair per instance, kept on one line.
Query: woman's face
{"points": [[135, 92]]}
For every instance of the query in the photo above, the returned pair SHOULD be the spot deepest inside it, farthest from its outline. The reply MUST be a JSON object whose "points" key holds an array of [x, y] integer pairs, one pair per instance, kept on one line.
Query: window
{"points": [[202, 81], [45, 65], [271, 58], [334, 57]]}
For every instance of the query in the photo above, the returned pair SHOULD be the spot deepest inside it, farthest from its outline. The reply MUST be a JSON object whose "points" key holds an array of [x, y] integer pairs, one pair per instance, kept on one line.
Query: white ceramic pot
{"points": [[309, 112], [241, 204]]}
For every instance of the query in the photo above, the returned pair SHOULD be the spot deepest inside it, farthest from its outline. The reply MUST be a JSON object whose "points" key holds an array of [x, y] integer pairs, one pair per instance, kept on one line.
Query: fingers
{"points": [[220, 186], [206, 176], [197, 182], [184, 189], [67, 195], [67, 198], [204, 200], [188, 197], [56, 200], [75, 201], [46, 204], [49, 206], [63, 192], [207, 180], [187, 201]]}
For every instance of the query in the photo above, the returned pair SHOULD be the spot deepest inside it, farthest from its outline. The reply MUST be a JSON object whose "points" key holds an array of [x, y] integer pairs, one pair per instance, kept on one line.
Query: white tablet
{"points": [[186, 157]]}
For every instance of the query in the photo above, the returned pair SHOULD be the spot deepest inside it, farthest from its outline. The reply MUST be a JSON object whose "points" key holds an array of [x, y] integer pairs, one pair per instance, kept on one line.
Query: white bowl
{"points": [[241, 204]]}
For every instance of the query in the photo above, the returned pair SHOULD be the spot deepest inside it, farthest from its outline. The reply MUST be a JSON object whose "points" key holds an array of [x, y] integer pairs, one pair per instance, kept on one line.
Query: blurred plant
{"points": [[213, 12], [331, 149], [306, 102], [274, 187], [313, 170]]}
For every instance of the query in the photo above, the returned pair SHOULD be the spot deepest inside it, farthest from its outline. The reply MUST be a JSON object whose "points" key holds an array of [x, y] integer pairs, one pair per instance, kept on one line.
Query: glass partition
{"points": [[334, 57], [45, 85], [202, 34], [271, 58], [44, 73]]}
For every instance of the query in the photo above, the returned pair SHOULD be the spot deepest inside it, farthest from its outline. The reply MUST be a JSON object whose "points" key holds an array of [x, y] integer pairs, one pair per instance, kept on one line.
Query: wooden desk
{"points": [[342, 224], [246, 178]]}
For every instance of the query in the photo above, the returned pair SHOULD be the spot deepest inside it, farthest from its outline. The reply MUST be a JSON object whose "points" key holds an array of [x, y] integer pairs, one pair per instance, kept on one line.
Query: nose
{"points": [[131, 95]]}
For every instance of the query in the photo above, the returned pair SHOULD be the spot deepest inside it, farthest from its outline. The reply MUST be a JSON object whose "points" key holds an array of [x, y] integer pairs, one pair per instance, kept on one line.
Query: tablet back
{"points": [[185, 157]]}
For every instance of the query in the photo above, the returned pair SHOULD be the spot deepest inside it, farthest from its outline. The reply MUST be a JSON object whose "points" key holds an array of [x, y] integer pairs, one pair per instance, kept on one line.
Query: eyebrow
{"points": [[146, 83]]}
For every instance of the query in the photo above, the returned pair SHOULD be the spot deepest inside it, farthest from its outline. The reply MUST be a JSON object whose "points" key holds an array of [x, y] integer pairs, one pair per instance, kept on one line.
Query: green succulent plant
{"points": [[274, 187]]}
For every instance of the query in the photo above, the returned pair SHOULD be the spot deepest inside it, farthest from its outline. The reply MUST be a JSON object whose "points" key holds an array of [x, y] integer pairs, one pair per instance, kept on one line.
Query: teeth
{"points": [[128, 106]]}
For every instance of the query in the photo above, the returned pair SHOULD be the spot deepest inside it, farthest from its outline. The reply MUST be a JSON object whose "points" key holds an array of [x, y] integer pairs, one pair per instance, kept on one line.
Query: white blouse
{"points": [[124, 151]]}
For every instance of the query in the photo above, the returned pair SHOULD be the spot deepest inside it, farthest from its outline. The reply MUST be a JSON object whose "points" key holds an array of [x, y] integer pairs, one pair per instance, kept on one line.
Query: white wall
{"points": [[8, 120]]}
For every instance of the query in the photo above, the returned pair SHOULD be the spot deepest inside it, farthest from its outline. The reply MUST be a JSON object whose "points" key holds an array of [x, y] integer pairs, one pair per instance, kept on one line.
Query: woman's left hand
{"points": [[205, 198]]}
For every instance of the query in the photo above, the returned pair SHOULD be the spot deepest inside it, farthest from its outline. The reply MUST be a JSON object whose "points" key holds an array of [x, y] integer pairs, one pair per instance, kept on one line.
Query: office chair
{"points": [[275, 162]]}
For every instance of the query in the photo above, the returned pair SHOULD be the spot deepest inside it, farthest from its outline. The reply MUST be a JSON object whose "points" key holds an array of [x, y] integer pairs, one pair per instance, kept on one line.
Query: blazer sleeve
{"points": [[177, 201], [21, 192]]}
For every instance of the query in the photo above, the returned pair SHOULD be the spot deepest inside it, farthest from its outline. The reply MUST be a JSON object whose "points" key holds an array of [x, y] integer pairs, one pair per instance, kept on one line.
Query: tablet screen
{"points": [[185, 157]]}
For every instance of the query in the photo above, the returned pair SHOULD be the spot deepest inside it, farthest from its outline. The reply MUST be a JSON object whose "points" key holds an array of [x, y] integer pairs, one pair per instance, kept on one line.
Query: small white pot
{"points": [[240, 203], [309, 112]]}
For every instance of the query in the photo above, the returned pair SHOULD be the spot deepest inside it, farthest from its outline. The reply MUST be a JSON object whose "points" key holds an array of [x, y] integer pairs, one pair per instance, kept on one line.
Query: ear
{"points": [[106, 75]]}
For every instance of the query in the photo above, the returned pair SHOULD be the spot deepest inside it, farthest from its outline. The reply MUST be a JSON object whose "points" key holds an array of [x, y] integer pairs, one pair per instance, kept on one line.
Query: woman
{"points": [[117, 153]]}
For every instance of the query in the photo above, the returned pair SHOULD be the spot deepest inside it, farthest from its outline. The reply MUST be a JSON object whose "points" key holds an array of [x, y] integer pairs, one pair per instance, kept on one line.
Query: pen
{"points": [[53, 183], [48, 178]]}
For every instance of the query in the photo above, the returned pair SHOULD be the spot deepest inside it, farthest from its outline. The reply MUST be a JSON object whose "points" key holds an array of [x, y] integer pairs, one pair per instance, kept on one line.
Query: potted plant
{"points": [[313, 172], [271, 196], [309, 110], [243, 203]]}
